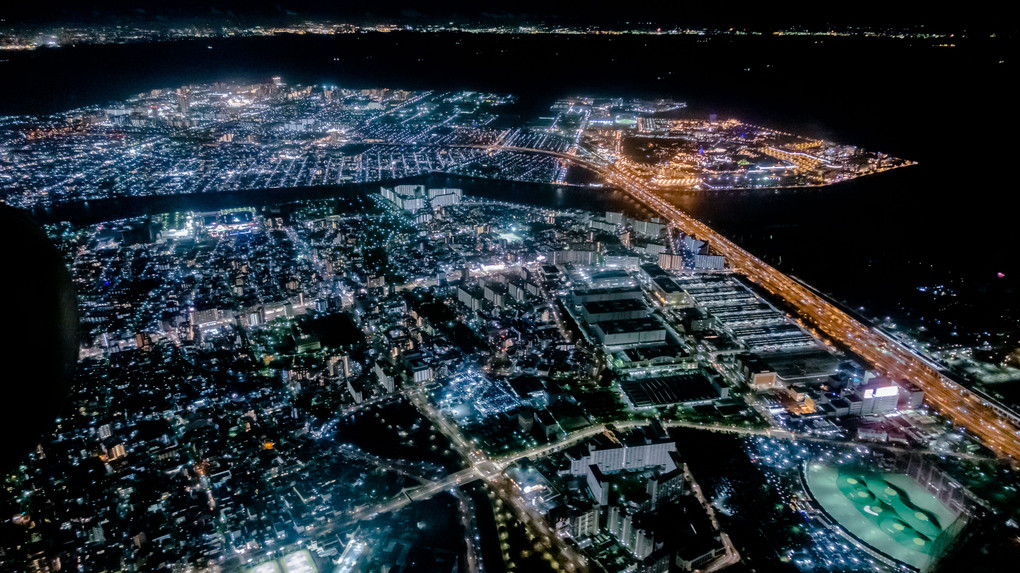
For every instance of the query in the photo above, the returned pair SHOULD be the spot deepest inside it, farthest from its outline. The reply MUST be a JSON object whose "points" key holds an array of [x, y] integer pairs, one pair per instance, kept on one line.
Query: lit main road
{"points": [[484, 468], [996, 426], [490, 469], [417, 494]]}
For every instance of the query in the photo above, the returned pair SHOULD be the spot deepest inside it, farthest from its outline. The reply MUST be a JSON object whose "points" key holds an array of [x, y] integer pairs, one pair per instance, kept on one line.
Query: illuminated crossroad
{"points": [[486, 469]]}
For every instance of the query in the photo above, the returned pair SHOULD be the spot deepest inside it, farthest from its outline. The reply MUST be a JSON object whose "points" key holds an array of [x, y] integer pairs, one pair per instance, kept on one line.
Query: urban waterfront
{"points": [[339, 313], [943, 212]]}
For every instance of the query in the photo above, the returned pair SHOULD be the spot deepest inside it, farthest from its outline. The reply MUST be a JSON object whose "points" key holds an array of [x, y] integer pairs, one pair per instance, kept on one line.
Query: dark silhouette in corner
{"points": [[41, 345]]}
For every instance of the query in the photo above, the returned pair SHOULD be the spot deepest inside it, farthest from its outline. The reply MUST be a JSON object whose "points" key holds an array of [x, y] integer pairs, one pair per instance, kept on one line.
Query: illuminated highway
{"points": [[996, 426]]}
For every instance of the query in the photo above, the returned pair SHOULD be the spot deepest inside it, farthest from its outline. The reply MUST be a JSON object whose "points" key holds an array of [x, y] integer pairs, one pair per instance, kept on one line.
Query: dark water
{"points": [[870, 242], [352, 196], [874, 242]]}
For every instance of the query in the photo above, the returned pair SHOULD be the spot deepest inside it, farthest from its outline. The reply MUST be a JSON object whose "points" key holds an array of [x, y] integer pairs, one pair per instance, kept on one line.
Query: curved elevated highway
{"points": [[996, 425]]}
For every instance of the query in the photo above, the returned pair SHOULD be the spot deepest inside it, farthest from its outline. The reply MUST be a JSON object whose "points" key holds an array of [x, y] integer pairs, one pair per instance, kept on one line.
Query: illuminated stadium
{"points": [[888, 512]]}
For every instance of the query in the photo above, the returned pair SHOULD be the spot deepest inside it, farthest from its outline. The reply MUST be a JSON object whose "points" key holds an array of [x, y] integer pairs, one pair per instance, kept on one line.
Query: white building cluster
{"points": [[416, 199]]}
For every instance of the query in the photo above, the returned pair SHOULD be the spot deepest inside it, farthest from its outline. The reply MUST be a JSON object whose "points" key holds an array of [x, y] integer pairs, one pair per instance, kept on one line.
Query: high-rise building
{"points": [[879, 396], [184, 100], [339, 366]]}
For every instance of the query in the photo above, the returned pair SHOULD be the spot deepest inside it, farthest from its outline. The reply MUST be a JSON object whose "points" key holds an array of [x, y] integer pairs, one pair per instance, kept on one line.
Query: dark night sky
{"points": [[762, 14]]}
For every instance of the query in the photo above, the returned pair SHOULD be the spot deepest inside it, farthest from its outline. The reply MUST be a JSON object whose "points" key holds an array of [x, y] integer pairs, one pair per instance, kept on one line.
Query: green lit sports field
{"points": [[889, 512]]}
